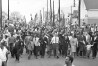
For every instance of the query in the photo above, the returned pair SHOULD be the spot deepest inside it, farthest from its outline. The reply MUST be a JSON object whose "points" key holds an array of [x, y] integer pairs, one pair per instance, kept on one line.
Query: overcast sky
{"points": [[27, 7]]}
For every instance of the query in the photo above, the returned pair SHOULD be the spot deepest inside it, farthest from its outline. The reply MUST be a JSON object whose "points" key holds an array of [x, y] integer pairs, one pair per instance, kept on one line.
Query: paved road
{"points": [[51, 61]]}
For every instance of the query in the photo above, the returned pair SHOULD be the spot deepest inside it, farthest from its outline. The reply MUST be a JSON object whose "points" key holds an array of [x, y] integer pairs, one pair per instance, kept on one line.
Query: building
{"points": [[92, 11]]}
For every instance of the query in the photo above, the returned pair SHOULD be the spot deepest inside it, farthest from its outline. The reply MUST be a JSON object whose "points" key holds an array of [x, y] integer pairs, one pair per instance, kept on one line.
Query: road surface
{"points": [[51, 61]]}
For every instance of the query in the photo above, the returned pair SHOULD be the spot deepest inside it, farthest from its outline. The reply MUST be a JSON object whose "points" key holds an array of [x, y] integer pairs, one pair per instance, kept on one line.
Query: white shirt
{"points": [[66, 65], [8, 34], [95, 38], [89, 47], [92, 29], [70, 37], [36, 41], [3, 54], [15, 35], [6, 40], [55, 40], [14, 31], [88, 38]]}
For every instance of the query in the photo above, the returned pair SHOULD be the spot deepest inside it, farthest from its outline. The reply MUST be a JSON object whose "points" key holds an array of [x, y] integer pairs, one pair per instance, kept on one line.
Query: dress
{"points": [[31, 46], [73, 43]]}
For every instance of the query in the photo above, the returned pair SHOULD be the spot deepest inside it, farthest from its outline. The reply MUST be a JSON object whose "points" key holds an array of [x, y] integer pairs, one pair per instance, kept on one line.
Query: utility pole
{"points": [[79, 12], [8, 9], [1, 14]]}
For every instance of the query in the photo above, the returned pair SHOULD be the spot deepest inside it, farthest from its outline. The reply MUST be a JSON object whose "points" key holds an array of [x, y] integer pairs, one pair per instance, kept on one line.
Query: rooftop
{"points": [[91, 4]]}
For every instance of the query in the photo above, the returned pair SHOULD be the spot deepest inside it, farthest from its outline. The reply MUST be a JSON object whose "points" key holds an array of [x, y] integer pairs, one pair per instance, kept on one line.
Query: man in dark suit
{"points": [[44, 42], [94, 48], [17, 48], [81, 45], [66, 43]]}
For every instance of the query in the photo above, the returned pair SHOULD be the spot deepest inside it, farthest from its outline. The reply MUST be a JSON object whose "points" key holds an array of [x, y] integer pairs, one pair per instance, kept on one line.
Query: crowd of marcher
{"points": [[82, 43]]}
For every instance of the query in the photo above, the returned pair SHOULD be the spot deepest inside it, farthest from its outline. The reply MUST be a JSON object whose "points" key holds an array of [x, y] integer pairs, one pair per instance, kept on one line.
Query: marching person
{"points": [[30, 48], [3, 54], [17, 48], [5, 39], [88, 49], [94, 48], [81, 45], [66, 46], [49, 46], [11, 42], [88, 38], [36, 45], [73, 43], [55, 45], [62, 42], [43, 42]]}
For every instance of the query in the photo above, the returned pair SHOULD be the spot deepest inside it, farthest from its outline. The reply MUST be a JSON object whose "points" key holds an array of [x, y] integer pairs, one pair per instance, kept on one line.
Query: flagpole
{"points": [[47, 10], [8, 9], [79, 13], [40, 18], [59, 15], [71, 18], [53, 13], [1, 13], [43, 14], [50, 13]]}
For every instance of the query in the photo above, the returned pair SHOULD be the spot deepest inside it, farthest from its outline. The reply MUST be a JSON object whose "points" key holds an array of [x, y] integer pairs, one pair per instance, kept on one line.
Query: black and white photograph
{"points": [[48, 32]]}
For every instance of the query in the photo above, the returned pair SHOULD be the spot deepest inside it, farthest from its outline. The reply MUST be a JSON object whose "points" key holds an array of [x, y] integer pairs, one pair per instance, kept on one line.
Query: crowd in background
{"points": [[81, 42]]}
